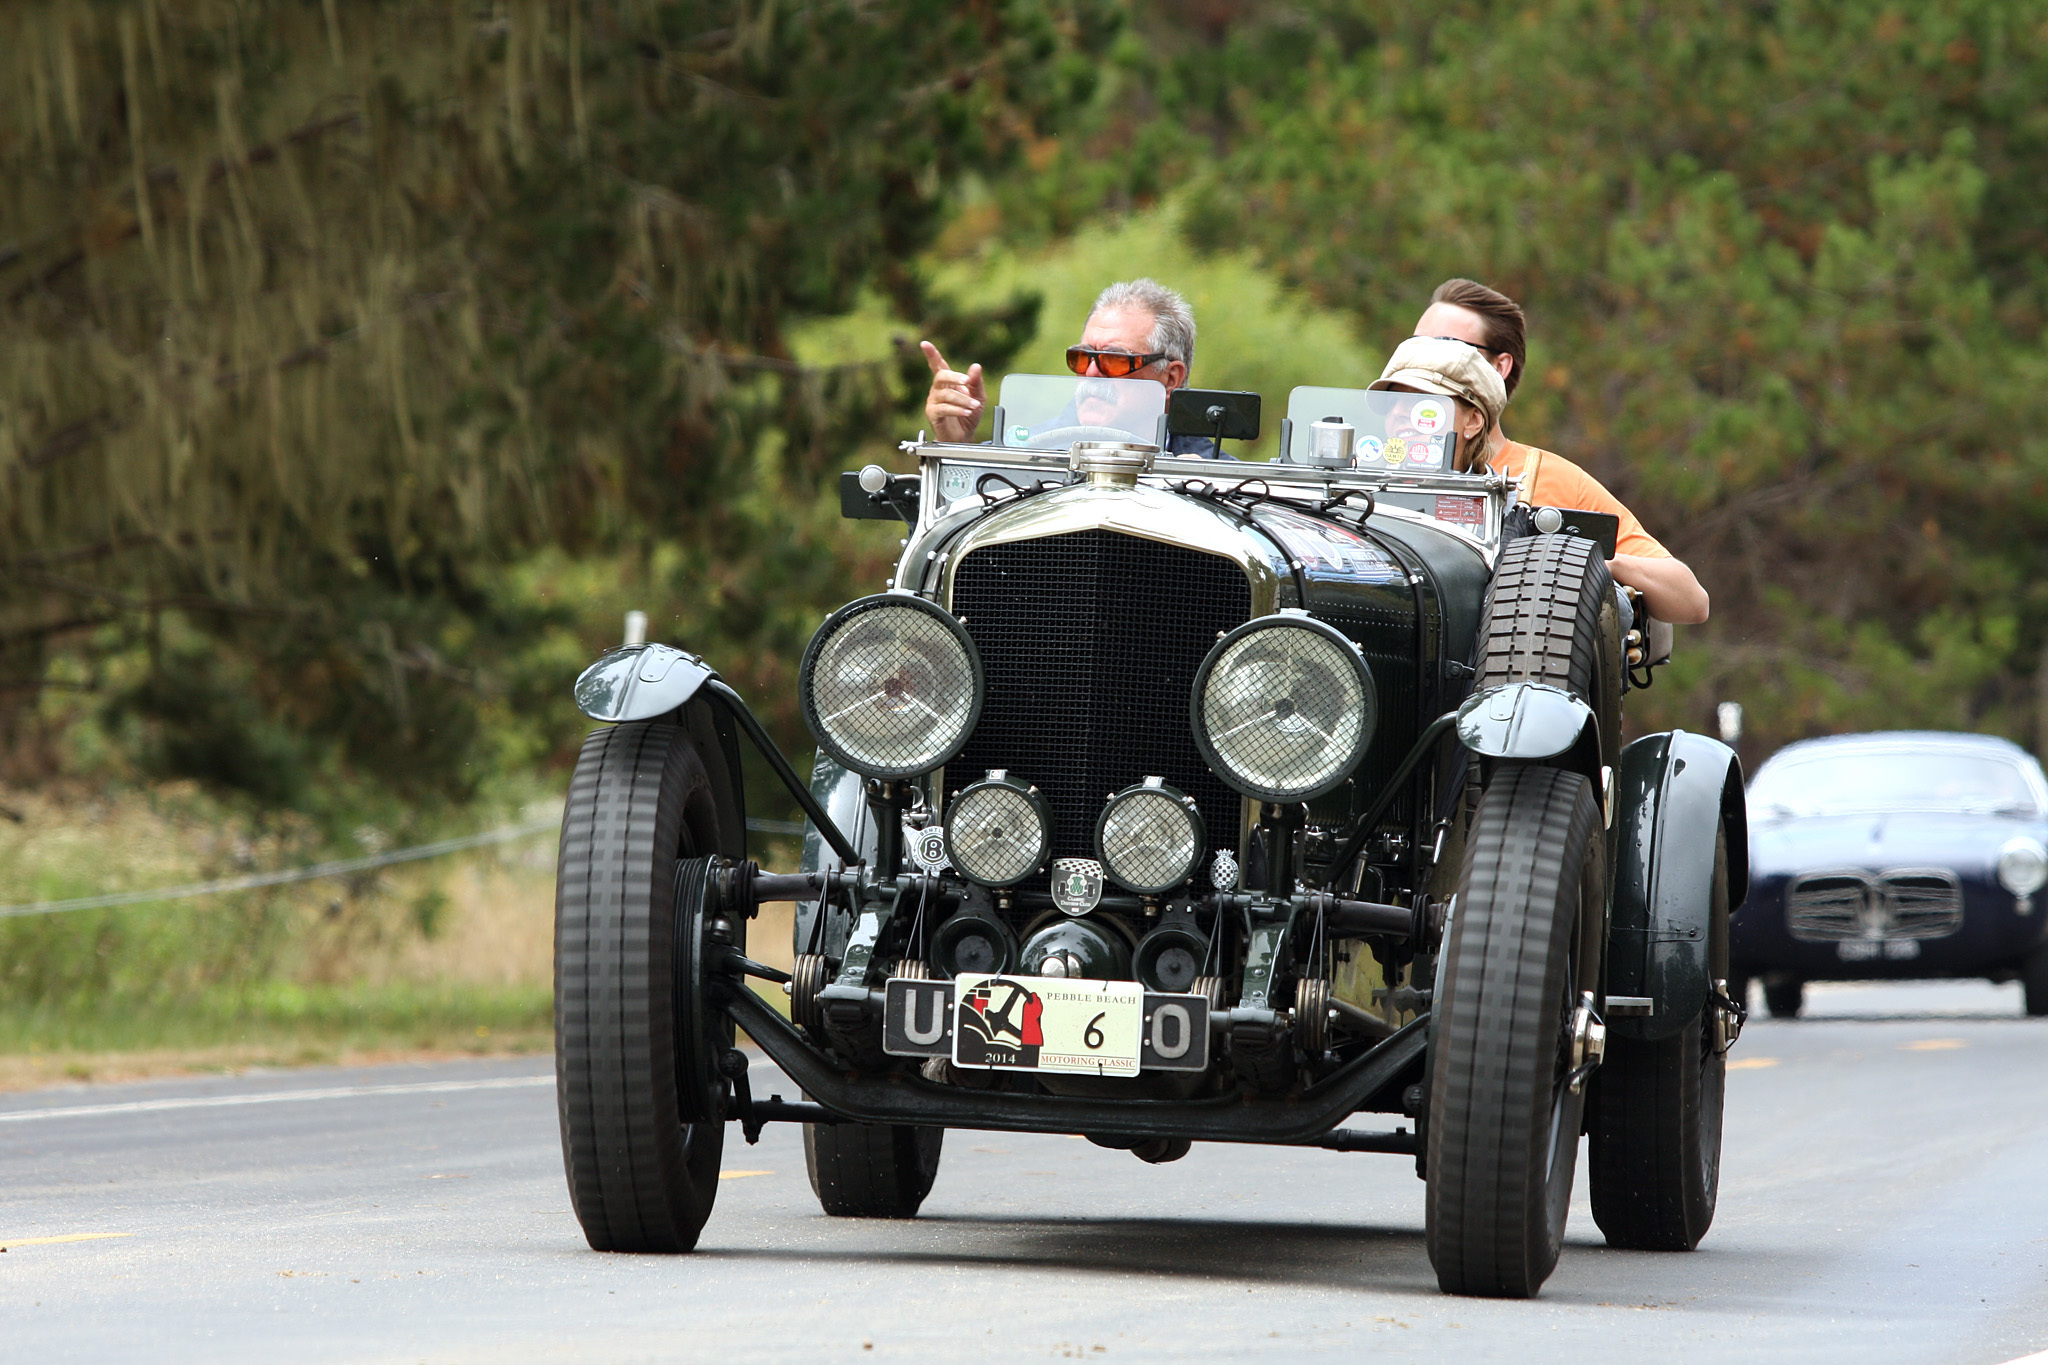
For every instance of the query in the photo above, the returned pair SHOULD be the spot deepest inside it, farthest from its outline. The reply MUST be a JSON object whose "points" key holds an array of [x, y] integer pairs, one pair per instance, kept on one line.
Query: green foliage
{"points": [[316, 319], [1251, 333], [1785, 272], [429, 912], [146, 953], [361, 363]]}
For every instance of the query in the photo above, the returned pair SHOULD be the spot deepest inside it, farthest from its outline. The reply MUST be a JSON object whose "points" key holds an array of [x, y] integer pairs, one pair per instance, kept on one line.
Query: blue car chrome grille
{"points": [[1823, 907]]}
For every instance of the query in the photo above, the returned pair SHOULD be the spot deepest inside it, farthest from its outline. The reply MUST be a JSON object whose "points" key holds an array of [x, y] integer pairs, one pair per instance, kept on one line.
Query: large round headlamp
{"points": [[891, 686], [1149, 837], [998, 830], [2022, 866], [1284, 708]]}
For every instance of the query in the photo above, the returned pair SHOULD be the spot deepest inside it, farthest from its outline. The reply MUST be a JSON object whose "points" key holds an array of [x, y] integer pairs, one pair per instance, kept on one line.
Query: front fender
{"points": [[1532, 722], [1673, 792], [640, 682]]}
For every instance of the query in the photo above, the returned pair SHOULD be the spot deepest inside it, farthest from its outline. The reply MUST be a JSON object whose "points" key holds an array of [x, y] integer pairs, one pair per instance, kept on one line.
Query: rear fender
{"points": [[1673, 791]]}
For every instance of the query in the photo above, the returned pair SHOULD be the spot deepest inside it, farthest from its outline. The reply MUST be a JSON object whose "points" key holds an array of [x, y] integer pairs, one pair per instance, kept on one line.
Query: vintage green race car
{"points": [[1167, 800]]}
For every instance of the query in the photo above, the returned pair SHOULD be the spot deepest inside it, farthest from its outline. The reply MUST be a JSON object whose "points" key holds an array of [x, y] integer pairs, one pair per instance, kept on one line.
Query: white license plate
{"points": [[1873, 949], [918, 1021], [1042, 1023]]}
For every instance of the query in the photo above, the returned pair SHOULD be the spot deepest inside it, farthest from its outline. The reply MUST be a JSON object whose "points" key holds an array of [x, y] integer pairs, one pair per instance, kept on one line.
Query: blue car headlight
{"points": [[2022, 865]]}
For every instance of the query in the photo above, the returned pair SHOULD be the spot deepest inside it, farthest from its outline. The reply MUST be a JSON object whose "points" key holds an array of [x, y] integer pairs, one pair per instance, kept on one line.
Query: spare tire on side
{"points": [[1551, 616]]}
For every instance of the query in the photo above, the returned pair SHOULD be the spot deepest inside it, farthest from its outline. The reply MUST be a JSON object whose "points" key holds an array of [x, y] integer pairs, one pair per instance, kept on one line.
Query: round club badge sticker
{"points": [[1076, 885], [1369, 448], [1429, 416], [928, 848]]}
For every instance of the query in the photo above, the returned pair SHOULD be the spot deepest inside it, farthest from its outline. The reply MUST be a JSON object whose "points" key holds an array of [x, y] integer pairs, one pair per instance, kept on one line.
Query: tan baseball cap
{"points": [[1451, 368]]}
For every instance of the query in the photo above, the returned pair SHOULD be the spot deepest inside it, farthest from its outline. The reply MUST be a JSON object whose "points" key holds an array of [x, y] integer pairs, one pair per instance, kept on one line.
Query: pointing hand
{"points": [[953, 407]]}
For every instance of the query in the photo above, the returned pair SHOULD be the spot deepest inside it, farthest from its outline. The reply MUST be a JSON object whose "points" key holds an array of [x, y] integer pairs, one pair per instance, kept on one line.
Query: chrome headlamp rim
{"points": [[2022, 883], [1040, 809], [1151, 788], [1287, 618], [901, 599]]}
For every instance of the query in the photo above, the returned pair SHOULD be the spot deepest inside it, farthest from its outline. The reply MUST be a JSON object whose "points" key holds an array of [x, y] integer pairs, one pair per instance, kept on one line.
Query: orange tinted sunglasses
{"points": [[1115, 364]]}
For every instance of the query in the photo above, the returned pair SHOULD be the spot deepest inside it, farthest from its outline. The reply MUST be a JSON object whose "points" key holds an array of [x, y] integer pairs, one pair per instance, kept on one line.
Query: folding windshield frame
{"points": [[951, 481]]}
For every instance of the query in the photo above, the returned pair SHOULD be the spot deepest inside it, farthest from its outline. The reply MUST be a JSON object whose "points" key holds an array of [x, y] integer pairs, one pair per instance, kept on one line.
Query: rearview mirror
{"points": [[1220, 414]]}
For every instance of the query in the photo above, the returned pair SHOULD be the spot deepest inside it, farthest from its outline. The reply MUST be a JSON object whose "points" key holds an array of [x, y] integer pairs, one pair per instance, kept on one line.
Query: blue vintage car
{"points": [[1894, 855]]}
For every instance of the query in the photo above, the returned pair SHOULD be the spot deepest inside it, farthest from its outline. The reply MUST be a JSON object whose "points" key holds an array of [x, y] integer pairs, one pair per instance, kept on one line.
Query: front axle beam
{"points": [[905, 1099]]}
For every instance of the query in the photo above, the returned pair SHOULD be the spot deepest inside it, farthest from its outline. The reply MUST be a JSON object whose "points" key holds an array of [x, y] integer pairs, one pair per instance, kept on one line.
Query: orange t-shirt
{"points": [[1550, 480]]}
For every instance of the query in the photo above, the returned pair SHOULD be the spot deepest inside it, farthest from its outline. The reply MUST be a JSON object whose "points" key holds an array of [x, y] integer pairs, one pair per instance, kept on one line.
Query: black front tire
{"points": [[871, 1170], [1522, 949], [636, 1044], [1653, 1151], [2034, 981], [1784, 998]]}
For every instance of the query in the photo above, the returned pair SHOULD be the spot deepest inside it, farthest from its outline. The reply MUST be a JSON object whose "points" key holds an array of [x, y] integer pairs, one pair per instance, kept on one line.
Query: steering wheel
{"points": [[1060, 437]]}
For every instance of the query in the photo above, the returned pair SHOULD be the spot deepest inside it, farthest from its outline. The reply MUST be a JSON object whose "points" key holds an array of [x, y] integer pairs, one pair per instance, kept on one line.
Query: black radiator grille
{"points": [[1390, 649], [1091, 641]]}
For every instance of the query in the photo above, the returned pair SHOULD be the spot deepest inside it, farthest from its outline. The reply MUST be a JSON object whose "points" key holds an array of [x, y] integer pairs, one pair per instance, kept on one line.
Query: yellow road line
{"points": [[1933, 1045], [1752, 1063], [51, 1241], [741, 1175]]}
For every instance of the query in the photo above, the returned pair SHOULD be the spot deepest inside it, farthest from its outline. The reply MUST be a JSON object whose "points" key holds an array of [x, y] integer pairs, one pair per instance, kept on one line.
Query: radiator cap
{"points": [[1114, 464]]}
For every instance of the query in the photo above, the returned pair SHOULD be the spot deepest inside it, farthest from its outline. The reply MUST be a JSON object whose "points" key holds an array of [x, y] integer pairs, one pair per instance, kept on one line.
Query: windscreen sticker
{"points": [[1461, 510], [1428, 417], [1369, 448]]}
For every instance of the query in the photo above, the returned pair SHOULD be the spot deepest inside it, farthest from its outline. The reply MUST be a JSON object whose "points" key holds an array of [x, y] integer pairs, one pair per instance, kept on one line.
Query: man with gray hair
{"points": [[1138, 329]]}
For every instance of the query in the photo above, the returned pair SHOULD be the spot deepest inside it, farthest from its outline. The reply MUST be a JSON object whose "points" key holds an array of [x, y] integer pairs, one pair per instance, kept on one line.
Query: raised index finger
{"points": [[933, 358]]}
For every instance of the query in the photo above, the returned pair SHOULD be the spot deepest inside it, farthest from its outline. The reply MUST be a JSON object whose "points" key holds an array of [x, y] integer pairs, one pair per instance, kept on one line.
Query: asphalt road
{"points": [[1885, 1198]]}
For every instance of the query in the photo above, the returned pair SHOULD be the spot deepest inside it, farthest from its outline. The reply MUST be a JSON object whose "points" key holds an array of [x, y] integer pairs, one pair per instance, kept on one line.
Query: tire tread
{"points": [[1489, 1230], [637, 1176]]}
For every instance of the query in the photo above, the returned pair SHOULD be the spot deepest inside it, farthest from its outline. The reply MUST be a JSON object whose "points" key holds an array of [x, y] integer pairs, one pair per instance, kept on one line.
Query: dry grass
{"points": [[448, 957], [41, 1070]]}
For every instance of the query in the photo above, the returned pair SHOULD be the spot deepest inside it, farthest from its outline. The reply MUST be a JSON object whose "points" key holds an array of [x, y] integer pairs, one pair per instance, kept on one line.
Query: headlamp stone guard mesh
{"points": [[891, 686], [1149, 838], [998, 832], [1284, 708]]}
